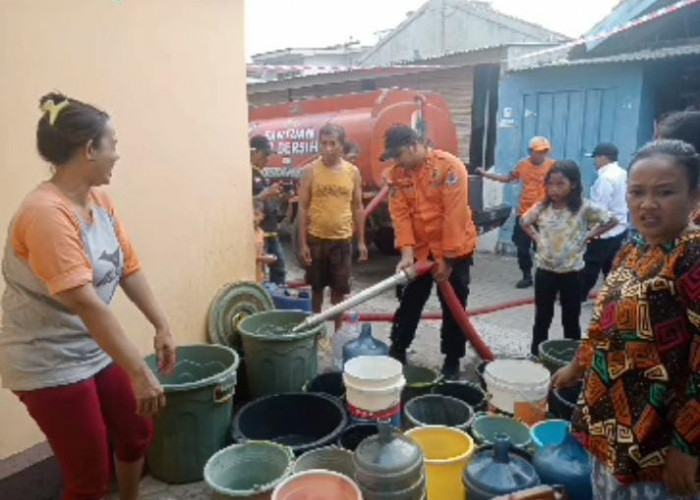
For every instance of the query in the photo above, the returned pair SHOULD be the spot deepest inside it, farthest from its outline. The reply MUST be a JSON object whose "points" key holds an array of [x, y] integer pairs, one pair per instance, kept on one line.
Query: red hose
{"points": [[434, 316], [462, 318], [378, 199], [458, 313], [479, 311]]}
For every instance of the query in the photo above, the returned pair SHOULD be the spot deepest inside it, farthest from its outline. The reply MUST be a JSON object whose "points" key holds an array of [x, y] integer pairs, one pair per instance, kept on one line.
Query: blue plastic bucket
{"points": [[291, 299], [549, 432]]}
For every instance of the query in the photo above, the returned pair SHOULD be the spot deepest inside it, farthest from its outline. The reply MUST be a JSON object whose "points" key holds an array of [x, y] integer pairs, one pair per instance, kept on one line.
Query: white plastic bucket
{"points": [[372, 372], [511, 382], [374, 400], [373, 383]]}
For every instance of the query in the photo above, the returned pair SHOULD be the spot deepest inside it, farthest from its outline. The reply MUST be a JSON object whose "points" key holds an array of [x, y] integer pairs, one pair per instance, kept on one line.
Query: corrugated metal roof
{"points": [[466, 52], [641, 55], [340, 76], [474, 7]]}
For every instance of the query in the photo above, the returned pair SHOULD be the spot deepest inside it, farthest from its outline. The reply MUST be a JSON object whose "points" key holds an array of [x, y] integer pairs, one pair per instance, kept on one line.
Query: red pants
{"points": [[81, 419]]}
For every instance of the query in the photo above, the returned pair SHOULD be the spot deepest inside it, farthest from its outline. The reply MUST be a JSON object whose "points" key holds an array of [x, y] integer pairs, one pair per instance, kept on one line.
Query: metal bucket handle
{"points": [[225, 390]]}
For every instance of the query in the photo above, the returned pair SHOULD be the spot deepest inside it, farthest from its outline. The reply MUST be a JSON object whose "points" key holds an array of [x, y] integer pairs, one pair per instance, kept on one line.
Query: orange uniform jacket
{"points": [[430, 207]]}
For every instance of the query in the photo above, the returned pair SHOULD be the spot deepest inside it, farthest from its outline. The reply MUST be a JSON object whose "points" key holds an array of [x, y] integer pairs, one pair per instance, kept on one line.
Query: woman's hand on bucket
{"points": [[164, 345], [568, 375], [150, 397]]}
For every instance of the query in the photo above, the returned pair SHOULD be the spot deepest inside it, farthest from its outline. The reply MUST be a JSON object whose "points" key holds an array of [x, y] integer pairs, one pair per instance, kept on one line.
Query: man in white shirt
{"points": [[609, 191]]}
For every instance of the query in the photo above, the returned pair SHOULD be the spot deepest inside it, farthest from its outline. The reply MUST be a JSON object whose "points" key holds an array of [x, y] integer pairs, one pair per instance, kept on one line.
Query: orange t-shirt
{"points": [[52, 249], [50, 237], [430, 207], [532, 177]]}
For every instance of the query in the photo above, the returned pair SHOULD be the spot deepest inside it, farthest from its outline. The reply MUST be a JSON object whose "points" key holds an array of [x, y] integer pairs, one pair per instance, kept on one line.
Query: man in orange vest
{"points": [[330, 212], [531, 171], [429, 206]]}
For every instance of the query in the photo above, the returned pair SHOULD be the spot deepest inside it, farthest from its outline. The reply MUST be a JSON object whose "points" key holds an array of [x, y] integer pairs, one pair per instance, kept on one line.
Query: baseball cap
{"points": [[604, 149], [395, 138], [539, 144], [261, 143]]}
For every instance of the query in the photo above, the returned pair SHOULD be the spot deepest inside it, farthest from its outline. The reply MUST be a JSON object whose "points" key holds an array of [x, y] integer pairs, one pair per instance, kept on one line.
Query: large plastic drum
{"points": [[276, 359], [196, 420]]}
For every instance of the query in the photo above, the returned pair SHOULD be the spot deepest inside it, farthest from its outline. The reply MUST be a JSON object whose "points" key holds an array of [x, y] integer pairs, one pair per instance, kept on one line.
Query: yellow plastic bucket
{"points": [[447, 451]]}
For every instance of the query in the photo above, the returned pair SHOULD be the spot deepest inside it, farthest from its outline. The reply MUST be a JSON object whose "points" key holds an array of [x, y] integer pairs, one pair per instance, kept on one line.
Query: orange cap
{"points": [[540, 144]]}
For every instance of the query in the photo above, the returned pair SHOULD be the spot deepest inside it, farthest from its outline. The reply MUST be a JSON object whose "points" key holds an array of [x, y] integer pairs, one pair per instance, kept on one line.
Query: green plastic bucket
{"points": [[196, 420], [420, 380], [277, 360], [249, 470], [557, 353]]}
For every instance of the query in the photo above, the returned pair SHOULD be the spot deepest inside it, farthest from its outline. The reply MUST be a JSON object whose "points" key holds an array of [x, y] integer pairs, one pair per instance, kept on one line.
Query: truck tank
{"points": [[293, 127]]}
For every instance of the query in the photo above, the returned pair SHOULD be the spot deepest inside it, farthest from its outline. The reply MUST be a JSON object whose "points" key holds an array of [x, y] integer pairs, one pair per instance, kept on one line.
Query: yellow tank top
{"points": [[330, 214]]}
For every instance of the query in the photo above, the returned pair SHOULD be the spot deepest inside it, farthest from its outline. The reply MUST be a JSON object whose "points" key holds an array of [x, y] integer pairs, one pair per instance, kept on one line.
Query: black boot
{"points": [[450, 368], [526, 282]]}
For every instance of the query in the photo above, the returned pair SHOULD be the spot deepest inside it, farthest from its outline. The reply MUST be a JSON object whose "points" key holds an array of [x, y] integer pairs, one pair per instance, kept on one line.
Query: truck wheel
{"points": [[384, 240]]}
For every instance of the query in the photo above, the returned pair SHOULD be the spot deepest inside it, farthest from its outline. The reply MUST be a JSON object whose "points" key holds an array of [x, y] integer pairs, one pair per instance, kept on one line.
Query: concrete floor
{"points": [[507, 332]]}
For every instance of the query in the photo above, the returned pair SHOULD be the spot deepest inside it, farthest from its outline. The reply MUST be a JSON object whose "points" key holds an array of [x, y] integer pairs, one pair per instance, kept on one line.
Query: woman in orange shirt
{"points": [[62, 350]]}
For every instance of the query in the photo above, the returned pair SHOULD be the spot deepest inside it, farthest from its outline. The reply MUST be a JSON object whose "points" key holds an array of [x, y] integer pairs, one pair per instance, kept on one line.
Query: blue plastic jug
{"points": [[568, 464], [498, 469], [364, 345]]}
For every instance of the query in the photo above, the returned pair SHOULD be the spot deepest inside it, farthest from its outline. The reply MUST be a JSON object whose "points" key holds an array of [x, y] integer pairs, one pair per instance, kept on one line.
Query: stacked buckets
{"points": [[285, 438], [373, 386]]}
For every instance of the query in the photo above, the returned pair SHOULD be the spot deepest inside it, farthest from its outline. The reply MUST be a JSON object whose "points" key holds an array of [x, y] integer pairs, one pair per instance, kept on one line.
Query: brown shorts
{"points": [[331, 262]]}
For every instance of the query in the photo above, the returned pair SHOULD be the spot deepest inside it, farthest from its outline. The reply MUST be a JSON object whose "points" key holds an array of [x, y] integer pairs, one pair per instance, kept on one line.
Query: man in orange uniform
{"points": [[429, 205], [531, 171]]}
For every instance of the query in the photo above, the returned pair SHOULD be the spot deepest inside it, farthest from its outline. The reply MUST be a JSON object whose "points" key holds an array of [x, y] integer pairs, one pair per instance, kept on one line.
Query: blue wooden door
{"points": [[573, 120]]}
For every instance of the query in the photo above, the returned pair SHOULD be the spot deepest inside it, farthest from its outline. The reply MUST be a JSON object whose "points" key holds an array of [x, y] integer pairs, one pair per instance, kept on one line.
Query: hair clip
{"points": [[53, 109]]}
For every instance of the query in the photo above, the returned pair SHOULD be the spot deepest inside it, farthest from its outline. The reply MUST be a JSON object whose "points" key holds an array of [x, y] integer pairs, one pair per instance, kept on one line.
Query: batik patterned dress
{"points": [[641, 391]]}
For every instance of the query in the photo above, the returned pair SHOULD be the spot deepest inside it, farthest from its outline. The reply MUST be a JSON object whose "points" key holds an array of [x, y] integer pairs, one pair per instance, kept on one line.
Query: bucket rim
{"points": [[521, 426], [261, 488], [534, 428], [221, 377], [544, 375], [431, 395], [438, 377], [239, 437], [399, 384], [549, 420], [289, 479], [385, 359], [289, 337], [561, 399], [332, 448], [445, 461]]}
